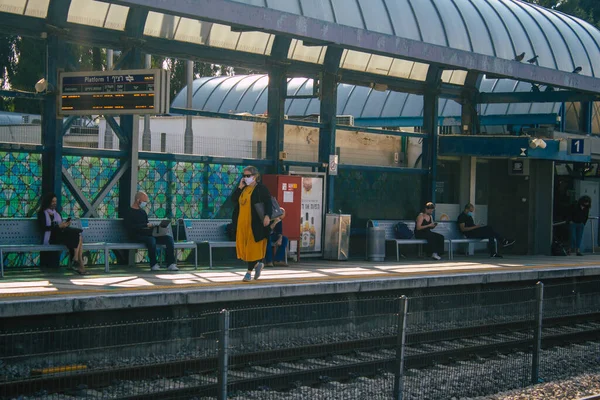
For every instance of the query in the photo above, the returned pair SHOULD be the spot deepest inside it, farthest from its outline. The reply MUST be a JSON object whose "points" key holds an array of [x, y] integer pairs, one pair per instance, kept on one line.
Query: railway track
{"points": [[281, 369]]}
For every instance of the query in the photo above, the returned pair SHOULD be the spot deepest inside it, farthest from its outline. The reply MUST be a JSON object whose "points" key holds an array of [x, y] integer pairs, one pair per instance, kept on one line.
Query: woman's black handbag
{"points": [[277, 211]]}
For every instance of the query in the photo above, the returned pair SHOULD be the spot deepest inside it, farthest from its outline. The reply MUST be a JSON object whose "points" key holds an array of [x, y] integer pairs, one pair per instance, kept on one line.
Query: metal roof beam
{"points": [[563, 96], [278, 22]]}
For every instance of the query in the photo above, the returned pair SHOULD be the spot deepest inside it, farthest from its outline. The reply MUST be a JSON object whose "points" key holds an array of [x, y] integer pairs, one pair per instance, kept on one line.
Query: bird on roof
{"points": [[533, 59], [535, 88], [520, 57], [577, 70]]}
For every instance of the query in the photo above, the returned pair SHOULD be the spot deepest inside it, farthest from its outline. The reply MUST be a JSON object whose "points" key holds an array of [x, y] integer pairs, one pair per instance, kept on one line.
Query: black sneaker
{"points": [[507, 242], [496, 255]]}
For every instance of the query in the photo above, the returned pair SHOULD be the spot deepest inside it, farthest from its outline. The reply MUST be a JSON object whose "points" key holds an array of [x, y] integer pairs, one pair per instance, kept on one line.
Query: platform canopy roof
{"points": [[380, 39], [248, 94]]}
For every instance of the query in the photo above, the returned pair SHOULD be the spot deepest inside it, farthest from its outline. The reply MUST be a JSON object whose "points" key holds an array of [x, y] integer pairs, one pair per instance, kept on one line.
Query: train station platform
{"points": [[36, 292]]}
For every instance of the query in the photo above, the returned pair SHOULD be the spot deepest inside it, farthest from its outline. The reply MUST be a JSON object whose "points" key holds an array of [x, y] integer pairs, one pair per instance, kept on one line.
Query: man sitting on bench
{"points": [[140, 230], [470, 230]]}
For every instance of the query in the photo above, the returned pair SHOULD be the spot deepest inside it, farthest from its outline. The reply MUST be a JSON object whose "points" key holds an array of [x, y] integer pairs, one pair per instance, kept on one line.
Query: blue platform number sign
{"points": [[577, 146]]}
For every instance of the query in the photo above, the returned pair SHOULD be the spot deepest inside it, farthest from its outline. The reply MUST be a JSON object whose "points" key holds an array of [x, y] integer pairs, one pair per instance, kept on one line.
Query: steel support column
{"points": [[147, 134], [328, 112], [52, 139], [430, 126], [52, 130], [108, 134], [469, 116], [129, 124], [188, 138], [585, 116], [276, 110], [277, 93]]}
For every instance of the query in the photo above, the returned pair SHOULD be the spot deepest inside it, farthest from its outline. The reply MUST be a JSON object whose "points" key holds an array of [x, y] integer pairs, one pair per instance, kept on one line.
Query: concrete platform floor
{"points": [[304, 278]]}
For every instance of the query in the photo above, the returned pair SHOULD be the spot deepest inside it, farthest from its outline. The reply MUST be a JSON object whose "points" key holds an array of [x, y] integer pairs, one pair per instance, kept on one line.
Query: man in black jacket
{"points": [[469, 229], [140, 230]]}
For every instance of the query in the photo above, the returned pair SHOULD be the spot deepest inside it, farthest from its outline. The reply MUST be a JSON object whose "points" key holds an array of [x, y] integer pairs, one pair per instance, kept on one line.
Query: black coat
{"points": [[259, 195]]}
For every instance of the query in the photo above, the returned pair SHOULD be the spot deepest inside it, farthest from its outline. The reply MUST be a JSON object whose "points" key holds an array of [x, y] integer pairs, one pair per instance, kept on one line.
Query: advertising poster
{"points": [[312, 214]]}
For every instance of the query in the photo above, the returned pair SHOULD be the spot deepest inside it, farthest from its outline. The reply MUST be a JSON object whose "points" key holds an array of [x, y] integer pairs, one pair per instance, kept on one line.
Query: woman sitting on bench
{"points": [[423, 227], [57, 231]]}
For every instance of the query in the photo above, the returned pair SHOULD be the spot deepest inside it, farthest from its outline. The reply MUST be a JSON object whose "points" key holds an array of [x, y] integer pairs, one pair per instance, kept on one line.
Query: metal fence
{"points": [[445, 346]]}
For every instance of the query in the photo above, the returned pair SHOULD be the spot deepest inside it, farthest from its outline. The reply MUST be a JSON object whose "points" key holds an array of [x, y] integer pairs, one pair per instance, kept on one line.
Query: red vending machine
{"points": [[288, 192]]}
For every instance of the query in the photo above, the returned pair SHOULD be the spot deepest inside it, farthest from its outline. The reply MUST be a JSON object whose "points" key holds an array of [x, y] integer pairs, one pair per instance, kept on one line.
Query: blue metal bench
{"points": [[112, 234], [449, 230], [209, 231], [23, 235]]}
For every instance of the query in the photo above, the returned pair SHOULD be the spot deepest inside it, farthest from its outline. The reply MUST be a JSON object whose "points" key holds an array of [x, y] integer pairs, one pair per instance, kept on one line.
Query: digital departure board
{"points": [[114, 92]]}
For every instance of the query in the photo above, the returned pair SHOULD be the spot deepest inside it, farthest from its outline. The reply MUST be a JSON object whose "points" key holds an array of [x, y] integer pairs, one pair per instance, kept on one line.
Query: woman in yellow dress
{"points": [[251, 231]]}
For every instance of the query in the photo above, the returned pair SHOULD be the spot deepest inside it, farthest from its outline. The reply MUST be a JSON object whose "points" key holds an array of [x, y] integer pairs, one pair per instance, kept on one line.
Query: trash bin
{"points": [[375, 243]]}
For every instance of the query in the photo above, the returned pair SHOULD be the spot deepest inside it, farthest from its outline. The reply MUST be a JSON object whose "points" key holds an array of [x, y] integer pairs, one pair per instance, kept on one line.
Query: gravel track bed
{"points": [[564, 368]]}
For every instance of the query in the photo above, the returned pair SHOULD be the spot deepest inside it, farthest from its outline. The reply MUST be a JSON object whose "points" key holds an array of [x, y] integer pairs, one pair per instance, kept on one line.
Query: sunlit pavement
{"points": [[34, 282]]}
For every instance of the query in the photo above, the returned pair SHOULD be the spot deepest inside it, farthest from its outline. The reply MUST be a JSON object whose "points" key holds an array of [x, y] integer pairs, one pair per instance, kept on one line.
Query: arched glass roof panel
{"points": [[573, 42], [428, 20], [520, 39], [498, 28], [237, 92], [534, 35], [480, 37], [588, 42], [207, 33], [318, 9], [455, 77], [561, 51], [408, 26], [375, 103], [347, 12], [411, 70], [240, 94], [31, 8], [458, 37], [253, 95], [356, 102], [216, 100], [376, 16], [381, 65], [501, 27], [412, 108], [312, 54], [291, 6], [451, 109], [97, 13]]}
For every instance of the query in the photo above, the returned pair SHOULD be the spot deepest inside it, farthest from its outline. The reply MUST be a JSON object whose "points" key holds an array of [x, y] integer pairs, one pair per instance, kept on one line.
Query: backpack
{"points": [[401, 231]]}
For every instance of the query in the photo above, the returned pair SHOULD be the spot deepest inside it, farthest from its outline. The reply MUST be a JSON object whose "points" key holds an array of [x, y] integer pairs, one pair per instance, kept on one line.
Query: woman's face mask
{"points": [[143, 204], [470, 213], [249, 180]]}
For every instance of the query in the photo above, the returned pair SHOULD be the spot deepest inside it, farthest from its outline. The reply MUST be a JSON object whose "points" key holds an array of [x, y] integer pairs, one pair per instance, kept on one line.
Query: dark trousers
{"points": [[151, 242], [486, 232], [435, 241]]}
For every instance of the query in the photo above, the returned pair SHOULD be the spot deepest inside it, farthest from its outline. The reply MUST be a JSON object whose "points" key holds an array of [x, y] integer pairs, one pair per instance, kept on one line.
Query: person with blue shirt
{"points": [[281, 243], [470, 230]]}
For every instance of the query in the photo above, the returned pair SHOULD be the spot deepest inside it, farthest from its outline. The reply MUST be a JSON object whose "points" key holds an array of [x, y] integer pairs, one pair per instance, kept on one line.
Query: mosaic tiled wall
{"points": [[20, 184], [188, 190], [177, 190], [91, 175]]}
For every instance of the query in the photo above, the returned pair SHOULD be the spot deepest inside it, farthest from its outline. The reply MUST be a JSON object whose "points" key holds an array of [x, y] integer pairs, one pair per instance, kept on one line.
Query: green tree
{"points": [[588, 10]]}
